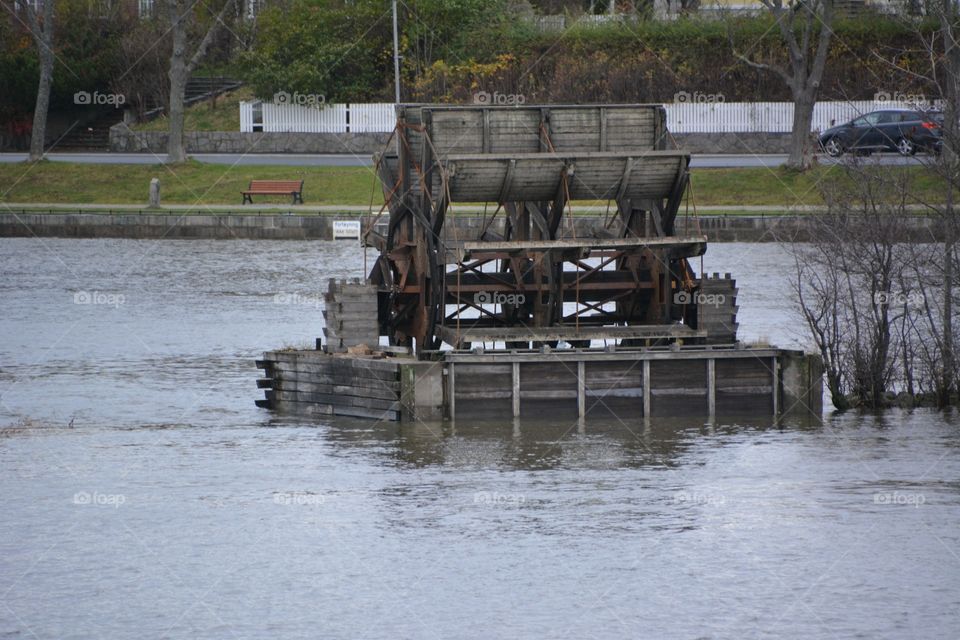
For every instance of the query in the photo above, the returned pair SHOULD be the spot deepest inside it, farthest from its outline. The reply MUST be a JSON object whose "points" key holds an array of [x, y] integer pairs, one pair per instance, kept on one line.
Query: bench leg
{"points": [[247, 198], [297, 198]]}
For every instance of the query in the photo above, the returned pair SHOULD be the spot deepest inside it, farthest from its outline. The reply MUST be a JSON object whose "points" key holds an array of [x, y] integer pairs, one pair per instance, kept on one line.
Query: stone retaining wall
{"points": [[753, 228], [124, 140], [740, 143]]}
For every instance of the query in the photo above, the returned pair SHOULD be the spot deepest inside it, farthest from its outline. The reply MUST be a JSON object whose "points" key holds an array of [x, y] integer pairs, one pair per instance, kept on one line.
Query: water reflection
{"points": [[540, 445]]}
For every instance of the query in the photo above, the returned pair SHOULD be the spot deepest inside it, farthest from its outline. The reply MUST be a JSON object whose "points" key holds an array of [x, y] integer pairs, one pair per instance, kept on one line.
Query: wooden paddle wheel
{"points": [[530, 273]]}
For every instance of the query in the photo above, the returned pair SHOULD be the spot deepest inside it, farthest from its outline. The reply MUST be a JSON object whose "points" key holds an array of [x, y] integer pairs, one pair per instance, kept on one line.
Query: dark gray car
{"points": [[903, 130]]}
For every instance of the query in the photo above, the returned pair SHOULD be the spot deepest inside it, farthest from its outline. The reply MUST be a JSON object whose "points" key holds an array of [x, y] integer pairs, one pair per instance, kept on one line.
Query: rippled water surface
{"points": [[145, 496]]}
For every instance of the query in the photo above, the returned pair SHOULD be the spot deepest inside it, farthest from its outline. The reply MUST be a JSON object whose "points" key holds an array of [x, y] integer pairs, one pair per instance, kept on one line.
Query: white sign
{"points": [[346, 229]]}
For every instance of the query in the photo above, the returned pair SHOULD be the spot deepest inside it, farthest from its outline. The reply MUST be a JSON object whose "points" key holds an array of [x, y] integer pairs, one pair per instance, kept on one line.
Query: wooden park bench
{"points": [[292, 188]]}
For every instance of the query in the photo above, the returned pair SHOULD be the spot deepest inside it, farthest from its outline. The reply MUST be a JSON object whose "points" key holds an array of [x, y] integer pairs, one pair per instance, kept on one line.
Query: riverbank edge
{"points": [[719, 224]]}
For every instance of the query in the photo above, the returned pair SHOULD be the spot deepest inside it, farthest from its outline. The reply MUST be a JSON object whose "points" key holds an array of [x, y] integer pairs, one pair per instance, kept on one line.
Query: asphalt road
{"points": [[346, 160]]}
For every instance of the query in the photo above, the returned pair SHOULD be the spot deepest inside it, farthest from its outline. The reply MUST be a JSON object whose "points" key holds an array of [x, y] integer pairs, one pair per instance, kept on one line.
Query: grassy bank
{"points": [[220, 114], [189, 183], [194, 183]]}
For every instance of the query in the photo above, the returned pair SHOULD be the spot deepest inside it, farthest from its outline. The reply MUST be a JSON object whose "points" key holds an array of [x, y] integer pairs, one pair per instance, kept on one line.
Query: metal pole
{"points": [[396, 56]]}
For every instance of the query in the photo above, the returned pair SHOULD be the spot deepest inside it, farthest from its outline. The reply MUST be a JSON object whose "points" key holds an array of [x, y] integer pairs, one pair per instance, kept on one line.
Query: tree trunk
{"points": [[181, 68], [800, 24], [43, 37], [946, 380], [951, 167], [39, 131], [178, 83], [801, 151], [175, 112]]}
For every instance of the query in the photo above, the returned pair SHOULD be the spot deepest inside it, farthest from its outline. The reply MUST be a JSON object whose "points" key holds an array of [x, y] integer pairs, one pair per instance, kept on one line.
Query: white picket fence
{"points": [[690, 116], [764, 117], [326, 118]]}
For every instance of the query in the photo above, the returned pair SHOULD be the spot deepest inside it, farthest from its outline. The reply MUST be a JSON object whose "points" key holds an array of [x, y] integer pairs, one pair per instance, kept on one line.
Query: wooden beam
{"points": [[620, 355], [507, 182], [568, 332], [712, 387], [544, 132], [526, 246], [572, 157], [656, 217], [516, 390], [581, 389], [646, 388], [624, 180], [452, 390], [486, 131], [603, 128], [775, 375]]}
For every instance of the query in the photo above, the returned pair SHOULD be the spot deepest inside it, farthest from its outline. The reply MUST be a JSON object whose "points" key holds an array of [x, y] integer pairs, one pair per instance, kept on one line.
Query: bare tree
{"points": [[183, 62], [947, 14], [41, 28], [941, 47], [806, 28], [818, 292], [857, 287]]}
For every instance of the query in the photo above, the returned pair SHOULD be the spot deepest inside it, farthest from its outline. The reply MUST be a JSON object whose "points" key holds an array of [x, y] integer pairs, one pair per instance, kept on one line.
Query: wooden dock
{"points": [[699, 381]]}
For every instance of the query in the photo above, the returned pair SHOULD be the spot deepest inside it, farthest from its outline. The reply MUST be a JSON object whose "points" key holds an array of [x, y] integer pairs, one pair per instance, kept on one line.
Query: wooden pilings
{"points": [[350, 315], [706, 382], [717, 308], [568, 384], [313, 382]]}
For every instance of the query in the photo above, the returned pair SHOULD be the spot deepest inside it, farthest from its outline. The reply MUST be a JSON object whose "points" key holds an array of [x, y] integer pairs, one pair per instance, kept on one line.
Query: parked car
{"points": [[903, 130]]}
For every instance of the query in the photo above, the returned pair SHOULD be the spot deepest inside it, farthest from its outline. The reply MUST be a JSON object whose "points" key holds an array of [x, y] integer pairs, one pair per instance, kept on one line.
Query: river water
{"points": [[145, 496]]}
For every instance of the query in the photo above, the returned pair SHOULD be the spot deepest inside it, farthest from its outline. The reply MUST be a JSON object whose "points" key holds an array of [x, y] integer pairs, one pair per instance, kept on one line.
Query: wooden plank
{"points": [[775, 394], [516, 389], [581, 389], [679, 374], [599, 175], [318, 357], [382, 393], [568, 332], [310, 408], [311, 373], [293, 380], [711, 387], [337, 400], [466, 358], [527, 246], [452, 390]]}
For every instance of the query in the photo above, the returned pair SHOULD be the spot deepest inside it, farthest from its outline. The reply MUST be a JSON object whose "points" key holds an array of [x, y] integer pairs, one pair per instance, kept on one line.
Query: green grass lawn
{"points": [[787, 188], [189, 183], [195, 183]]}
